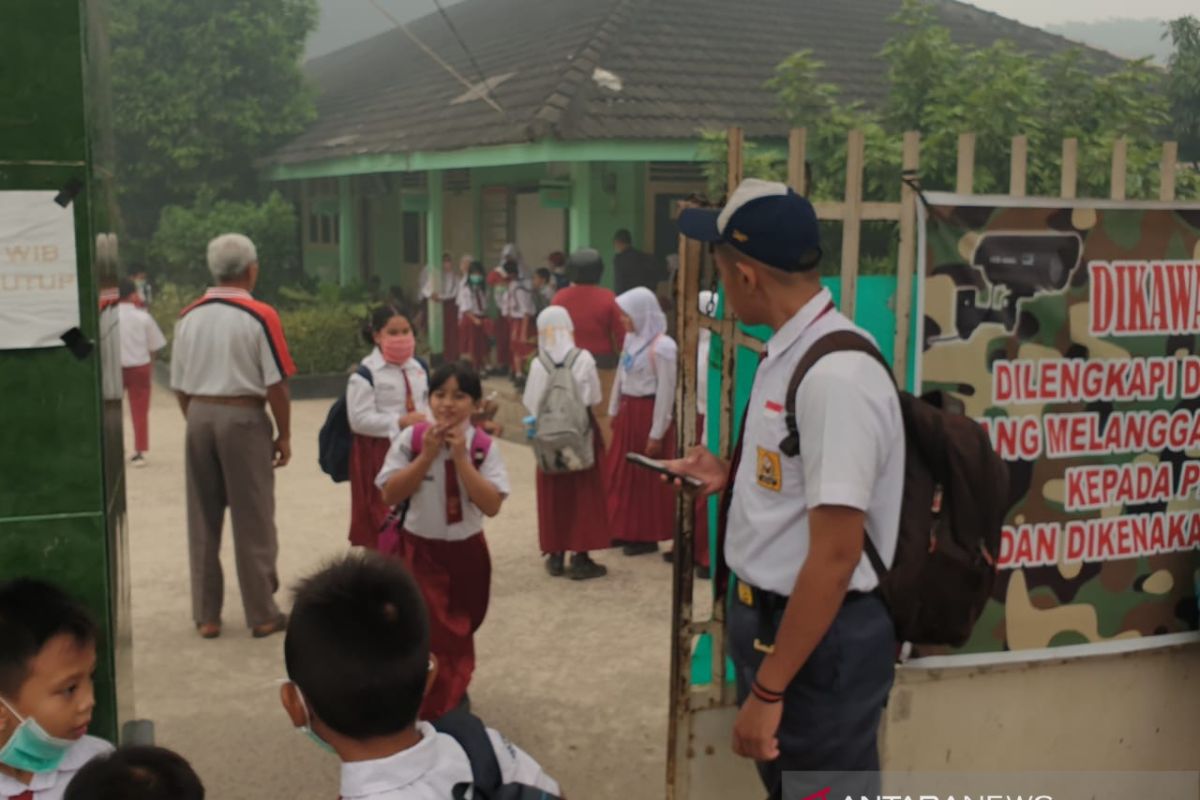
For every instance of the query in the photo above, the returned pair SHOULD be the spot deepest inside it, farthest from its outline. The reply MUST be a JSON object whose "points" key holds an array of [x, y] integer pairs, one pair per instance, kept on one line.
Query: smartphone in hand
{"points": [[661, 468]]}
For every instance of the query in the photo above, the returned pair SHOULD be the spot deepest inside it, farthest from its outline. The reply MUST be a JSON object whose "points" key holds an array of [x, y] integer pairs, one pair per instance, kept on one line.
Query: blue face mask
{"points": [[30, 748], [306, 728]]}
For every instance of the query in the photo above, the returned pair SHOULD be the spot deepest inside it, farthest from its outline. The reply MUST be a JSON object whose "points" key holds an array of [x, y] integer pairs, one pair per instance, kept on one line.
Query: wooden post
{"points": [[965, 184], [852, 219], [735, 141], [1070, 165], [1120, 148], [1019, 166], [910, 161], [797, 142], [1166, 181]]}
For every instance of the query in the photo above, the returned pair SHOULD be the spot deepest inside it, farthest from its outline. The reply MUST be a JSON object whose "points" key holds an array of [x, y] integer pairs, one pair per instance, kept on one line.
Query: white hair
{"points": [[229, 255]]}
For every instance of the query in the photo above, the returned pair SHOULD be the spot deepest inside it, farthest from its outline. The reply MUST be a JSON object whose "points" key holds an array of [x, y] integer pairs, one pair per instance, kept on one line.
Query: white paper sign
{"points": [[39, 286]]}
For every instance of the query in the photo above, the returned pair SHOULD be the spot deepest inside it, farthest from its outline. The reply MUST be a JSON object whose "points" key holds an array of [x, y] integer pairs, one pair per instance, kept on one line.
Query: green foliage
{"points": [[179, 246], [1183, 85], [201, 90]]}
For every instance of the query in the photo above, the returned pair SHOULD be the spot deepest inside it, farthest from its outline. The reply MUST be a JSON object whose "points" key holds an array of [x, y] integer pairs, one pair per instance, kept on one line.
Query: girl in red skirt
{"points": [[472, 314], [641, 507], [451, 478], [395, 397], [572, 506]]}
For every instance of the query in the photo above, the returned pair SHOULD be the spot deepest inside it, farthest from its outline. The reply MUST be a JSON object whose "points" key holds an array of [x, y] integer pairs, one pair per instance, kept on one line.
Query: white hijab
{"points": [[556, 333], [649, 321], [511, 249]]}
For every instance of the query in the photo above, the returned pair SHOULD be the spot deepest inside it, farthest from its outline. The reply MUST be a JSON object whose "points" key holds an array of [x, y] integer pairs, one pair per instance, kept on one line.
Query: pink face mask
{"points": [[398, 349]]}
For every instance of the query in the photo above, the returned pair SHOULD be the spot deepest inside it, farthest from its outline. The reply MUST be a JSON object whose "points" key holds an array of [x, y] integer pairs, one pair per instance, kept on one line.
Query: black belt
{"points": [[768, 604]]}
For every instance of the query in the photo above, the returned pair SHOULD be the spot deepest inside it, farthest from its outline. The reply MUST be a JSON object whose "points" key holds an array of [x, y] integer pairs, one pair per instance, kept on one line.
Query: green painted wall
{"points": [[618, 200], [62, 496]]}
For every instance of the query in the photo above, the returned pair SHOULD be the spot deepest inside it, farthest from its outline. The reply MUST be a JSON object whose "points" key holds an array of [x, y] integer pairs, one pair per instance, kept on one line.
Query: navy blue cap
{"points": [[764, 220]]}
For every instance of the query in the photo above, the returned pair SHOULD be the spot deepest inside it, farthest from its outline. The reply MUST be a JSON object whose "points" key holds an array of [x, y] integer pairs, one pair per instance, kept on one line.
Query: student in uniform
{"points": [[472, 314], [452, 478], [141, 339], [572, 506], [806, 607], [498, 280], [137, 773], [47, 657], [396, 397], [359, 662], [521, 310], [543, 289], [640, 508]]}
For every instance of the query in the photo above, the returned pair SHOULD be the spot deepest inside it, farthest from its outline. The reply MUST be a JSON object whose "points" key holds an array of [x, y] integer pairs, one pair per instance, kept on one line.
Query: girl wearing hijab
{"points": [[499, 279], [641, 507], [572, 506]]}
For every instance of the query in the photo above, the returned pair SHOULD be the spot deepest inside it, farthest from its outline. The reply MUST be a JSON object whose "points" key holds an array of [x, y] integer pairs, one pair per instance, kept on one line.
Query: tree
{"points": [[201, 90], [1183, 85]]}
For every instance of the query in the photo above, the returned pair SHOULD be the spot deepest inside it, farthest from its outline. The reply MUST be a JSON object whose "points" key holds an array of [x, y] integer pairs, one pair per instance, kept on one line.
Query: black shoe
{"points": [[704, 573], [640, 548], [554, 565], [583, 568], [669, 556]]}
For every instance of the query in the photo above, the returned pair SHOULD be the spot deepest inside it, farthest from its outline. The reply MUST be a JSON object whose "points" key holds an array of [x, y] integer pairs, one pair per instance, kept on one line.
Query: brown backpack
{"points": [[954, 503]]}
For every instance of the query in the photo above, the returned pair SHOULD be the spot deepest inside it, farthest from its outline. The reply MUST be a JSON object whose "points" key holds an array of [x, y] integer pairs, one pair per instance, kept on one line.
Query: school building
{"points": [[554, 123]]}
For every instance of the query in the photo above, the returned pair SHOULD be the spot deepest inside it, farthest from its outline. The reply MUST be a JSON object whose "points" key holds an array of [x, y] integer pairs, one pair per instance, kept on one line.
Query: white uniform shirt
{"points": [[376, 411], [52, 785], [518, 301], [450, 280], [651, 375], [584, 372], [471, 300], [140, 335], [851, 454], [431, 769], [427, 508], [229, 349]]}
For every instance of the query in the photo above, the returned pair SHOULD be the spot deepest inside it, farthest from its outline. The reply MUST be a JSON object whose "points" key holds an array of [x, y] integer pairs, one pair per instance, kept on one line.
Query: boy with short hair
{"points": [[543, 289], [47, 658], [137, 773], [358, 663]]}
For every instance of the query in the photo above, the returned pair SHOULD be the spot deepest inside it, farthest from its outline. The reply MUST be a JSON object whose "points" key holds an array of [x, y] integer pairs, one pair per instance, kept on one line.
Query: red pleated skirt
{"points": [[521, 344], [641, 507], [472, 342], [367, 509], [500, 332], [573, 507], [455, 580], [450, 344]]}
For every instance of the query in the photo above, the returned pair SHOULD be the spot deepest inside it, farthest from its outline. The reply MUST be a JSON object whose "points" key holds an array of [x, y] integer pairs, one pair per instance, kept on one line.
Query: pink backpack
{"points": [[389, 534]]}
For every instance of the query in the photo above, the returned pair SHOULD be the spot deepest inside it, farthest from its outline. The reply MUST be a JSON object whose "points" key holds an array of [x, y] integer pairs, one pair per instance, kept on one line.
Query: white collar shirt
{"points": [[587, 381], [649, 372], [851, 454], [376, 410], [518, 300], [427, 508], [52, 785], [141, 337], [471, 300], [433, 767]]}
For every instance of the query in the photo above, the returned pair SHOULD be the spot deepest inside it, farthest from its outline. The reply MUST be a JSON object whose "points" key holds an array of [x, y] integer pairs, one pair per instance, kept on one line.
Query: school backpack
{"points": [[954, 503], [389, 534], [563, 441], [487, 781], [335, 438]]}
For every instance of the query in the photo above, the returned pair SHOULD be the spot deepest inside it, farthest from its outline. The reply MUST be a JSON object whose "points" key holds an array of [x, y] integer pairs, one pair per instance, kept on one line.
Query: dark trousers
{"points": [[833, 706]]}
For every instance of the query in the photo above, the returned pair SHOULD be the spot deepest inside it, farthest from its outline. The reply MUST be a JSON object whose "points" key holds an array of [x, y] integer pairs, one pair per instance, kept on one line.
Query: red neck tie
{"points": [[25, 795], [409, 404], [454, 506]]}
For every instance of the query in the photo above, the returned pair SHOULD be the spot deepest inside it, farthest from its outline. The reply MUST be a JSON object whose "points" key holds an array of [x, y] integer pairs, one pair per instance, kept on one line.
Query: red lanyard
{"points": [[409, 404]]}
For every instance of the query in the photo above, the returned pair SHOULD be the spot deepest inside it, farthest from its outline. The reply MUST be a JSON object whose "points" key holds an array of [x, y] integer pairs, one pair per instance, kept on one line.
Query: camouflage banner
{"points": [[1070, 329]]}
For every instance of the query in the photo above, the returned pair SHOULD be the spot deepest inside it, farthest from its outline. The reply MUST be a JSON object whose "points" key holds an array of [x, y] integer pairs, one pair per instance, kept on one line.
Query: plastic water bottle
{"points": [[530, 426]]}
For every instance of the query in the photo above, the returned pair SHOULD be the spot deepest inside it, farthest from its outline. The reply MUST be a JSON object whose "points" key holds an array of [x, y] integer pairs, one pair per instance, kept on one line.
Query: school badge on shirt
{"points": [[770, 474]]}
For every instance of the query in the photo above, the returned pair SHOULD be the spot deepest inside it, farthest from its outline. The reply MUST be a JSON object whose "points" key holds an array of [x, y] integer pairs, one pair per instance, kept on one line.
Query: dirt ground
{"points": [[575, 673]]}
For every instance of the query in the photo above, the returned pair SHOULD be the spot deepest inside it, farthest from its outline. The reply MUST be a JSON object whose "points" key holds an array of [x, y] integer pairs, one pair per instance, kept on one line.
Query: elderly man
{"points": [[229, 359]]}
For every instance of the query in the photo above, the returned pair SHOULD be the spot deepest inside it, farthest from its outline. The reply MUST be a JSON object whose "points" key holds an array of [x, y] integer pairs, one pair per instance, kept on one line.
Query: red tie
{"points": [[409, 404], [454, 509], [25, 795]]}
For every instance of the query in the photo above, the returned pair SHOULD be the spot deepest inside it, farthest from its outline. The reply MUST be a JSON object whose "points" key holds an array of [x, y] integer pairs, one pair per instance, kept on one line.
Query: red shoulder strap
{"points": [[418, 438], [480, 447]]}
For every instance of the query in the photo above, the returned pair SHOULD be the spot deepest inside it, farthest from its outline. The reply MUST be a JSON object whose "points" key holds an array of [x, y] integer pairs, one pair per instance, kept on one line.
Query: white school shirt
{"points": [[433, 767], [52, 785], [650, 376], [427, 508], [851, 454], [518, 301], [587, 378], [471, 301], [376, 411], [140, 335]]}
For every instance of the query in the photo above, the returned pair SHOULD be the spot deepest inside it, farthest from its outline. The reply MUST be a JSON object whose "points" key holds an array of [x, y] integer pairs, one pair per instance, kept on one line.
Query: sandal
{"points": [[270, 628], [208, 630]]}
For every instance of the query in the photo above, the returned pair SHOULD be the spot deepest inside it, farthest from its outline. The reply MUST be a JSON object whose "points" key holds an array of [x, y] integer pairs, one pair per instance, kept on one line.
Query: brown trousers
{"points": [[229, 456]]}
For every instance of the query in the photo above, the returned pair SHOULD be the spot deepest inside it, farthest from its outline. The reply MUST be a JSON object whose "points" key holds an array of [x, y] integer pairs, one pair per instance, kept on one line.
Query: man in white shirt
{"points": [[812, 640], [228, 361], [141, 339]]}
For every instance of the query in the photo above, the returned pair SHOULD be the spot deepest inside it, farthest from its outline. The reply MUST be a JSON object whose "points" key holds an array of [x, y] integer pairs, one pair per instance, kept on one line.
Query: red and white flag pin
{"points": [[772, 410]]}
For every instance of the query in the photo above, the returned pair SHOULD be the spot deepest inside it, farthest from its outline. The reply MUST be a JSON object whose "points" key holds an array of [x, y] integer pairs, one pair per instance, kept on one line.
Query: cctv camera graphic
{"points": [[1018, 266]]}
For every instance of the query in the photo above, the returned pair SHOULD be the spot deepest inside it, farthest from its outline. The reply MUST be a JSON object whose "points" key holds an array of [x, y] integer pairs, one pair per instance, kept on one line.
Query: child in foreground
{"points": [[358, 664], [47, 657], [136, 773]]}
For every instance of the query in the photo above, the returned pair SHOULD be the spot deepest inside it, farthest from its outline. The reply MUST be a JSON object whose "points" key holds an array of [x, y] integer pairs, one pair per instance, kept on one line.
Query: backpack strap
{"points": [[418, 437], [364, 372], [844, 341], [481, 445], [472, 736]]}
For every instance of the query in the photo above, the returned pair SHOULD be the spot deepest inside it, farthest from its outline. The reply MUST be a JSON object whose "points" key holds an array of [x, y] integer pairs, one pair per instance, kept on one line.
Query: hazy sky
{"points": [[1049, 12]]}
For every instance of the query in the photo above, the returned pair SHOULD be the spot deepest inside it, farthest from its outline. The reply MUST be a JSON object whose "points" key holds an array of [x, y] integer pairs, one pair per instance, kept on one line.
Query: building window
{"points": [[414, 238], [323, 206]]}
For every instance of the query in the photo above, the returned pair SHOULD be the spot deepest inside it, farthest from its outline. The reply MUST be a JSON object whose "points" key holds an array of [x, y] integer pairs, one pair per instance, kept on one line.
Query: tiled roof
{"points": [[604, 69]]}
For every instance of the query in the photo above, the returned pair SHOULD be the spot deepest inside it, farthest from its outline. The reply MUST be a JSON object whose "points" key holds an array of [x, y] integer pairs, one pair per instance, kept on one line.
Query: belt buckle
{"points": [[745, 594], [763, 648]]}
